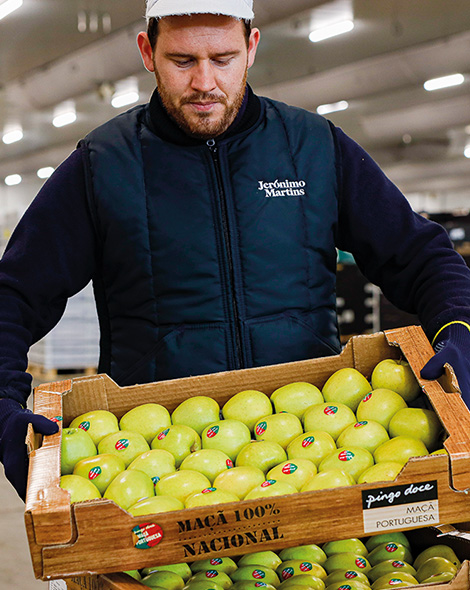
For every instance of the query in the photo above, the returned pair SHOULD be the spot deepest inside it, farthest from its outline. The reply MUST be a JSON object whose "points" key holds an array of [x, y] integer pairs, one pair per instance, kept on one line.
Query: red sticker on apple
{"points": [[261, 428], [289, 468], [367, 397], [350, 574], [360, 562], [267, 483], [215, 561], [330, 410], [394, 581], [212, 573], [286, 573], [344, 587], [84, 425], [305, 566], [121, 444], [229, 463], [260, 584], [398, 564], [359, 424], [94, 472], [163, 433], [308, 440], [346, 456], [57, 419], [207, 490], [258, 574], [391, 547], [147, 535], [213, 430]]}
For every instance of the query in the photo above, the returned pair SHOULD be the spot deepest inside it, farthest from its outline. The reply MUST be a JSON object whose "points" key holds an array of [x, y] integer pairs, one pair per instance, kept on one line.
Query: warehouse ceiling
{"points": [[54, 50]]}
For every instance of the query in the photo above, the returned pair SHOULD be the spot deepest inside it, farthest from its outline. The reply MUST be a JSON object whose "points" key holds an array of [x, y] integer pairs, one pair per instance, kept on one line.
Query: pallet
{"points": [[44, 374]]}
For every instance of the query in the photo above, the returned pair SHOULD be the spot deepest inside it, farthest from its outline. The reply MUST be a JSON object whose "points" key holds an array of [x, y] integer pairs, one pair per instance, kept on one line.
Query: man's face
{"points": [[201, 64]]}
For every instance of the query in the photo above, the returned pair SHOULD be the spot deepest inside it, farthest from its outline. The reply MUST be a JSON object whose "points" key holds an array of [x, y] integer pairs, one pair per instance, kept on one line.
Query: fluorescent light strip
{"points": [[64, 119], [466, 151], [12, 136], [8, 6], [444, 82], [331, 31], [45, 172], [334, 107], [122, 100], [13, 179]]}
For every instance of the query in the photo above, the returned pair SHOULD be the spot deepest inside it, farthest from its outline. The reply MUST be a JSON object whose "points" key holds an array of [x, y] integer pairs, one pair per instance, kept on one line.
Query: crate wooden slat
{"points": [[76, 540]]}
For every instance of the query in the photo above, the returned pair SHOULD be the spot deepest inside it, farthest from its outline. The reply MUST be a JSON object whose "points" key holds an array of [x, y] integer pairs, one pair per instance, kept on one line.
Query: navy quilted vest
{"points": [[218, 256]]}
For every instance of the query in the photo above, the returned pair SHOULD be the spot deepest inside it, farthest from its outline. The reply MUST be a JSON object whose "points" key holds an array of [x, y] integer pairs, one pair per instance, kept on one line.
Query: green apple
{"points": [[76, 444], [333, 478], [400, 449], [346, 386], [390, 550], [352, 545], [380, 405], [367, 434], [328, 417], [210, 462], [302, 582], [182, 484], [100, 469], [239, 480], [147, 419], [224, 564], [129, 487], [310, 552], [182, 569], [180, 440], [313, 445], [344, 576], [79, 488], [217, 576], [388, 566], [417, 423], [438, 550], [248, 406], [295, 472], [296, 398], [206, 584], [389, 537], [384, 471], [266, 558], [257, 572], [294, 567], [229, 436], [197, 412], [437, 578], [271, 487], [155, 463], [98, 424], [353, 460], [163, 579], [133, 574], [125, 444], [398, 376], [349, 585], [393, 580], [281, 428], [347, 561], [440, 452], [209, 496], [251, 585], [155, 505], [263, 454]]}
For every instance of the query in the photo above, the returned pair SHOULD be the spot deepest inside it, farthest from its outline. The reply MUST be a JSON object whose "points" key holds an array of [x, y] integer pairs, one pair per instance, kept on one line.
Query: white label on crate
{"points": [[57, 585], [400, 507]]}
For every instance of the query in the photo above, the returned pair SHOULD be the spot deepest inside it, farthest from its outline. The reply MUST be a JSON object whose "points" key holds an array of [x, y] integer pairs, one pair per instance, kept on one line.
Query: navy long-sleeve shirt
{"points": [[53, 254]]}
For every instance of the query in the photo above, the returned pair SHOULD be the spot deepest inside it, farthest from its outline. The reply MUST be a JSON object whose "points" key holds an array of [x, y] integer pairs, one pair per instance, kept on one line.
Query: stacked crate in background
{"points": [[73, 345]]}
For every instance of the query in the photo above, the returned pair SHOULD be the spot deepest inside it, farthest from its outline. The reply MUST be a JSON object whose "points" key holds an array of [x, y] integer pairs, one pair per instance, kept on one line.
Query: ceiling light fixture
{"points": [[8, 6], [332, 30], [126, 93], [12, 134], [45, 172], [333, 107], [466, 151], [444, 82], [13, 179], [64, 114]]}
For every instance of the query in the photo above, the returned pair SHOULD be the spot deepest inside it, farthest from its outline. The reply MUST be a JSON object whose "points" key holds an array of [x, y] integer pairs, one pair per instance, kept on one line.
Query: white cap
{"points": [[242, 9]]}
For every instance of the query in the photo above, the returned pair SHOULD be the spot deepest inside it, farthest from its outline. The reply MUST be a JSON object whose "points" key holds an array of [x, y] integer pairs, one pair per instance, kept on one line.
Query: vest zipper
{"points": [[226, 232]]}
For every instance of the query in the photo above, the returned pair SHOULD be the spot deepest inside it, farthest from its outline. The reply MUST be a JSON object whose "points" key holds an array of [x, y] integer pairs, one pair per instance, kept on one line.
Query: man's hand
{"points": [[14, 420], [452, 345]]}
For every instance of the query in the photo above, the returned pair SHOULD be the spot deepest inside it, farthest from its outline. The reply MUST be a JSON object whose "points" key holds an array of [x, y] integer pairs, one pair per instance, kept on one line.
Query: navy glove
{"points": [[452, 345], [14, 420]]}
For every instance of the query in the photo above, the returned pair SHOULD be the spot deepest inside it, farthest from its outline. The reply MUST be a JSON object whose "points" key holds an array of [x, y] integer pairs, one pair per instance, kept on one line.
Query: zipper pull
{"points": [[211, 145]]}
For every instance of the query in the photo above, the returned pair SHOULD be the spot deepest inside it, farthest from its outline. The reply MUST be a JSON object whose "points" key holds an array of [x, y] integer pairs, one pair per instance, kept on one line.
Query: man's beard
{"points": [[202, 125]]}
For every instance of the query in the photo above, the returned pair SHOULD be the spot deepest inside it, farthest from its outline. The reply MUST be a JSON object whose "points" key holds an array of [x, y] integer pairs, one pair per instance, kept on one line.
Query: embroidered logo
{"points": [[282, 188]]}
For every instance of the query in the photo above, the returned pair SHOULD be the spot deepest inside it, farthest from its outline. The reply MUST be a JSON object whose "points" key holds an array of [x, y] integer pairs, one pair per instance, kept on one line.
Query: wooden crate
{"points": [[99, 537]]}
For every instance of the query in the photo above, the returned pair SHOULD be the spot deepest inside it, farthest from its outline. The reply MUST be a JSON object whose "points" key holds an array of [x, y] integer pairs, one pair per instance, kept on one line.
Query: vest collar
{"points": [[167, 129]]}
